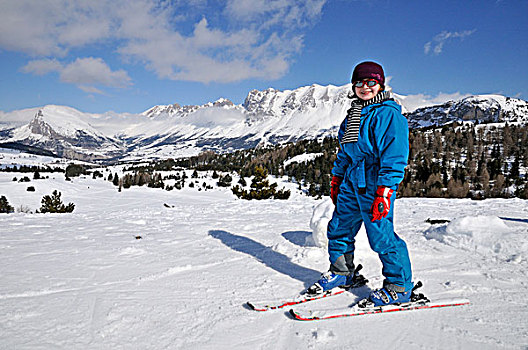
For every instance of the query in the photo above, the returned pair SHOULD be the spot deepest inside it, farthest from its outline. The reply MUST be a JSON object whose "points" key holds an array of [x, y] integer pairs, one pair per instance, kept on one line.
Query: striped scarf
{"points": [[354, 115]]}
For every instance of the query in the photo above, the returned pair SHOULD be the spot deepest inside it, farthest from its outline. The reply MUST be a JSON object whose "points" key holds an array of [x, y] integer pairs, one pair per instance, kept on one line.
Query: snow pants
{"points": [[352, 210]]}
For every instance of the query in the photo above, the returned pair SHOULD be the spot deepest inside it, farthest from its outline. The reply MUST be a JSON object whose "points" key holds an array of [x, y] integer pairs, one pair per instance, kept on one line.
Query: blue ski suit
{"points": [[378, 158]]}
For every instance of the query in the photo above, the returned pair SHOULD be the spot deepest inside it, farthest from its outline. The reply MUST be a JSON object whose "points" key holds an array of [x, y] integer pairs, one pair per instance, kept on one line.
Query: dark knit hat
{"points": [[369, 70]]}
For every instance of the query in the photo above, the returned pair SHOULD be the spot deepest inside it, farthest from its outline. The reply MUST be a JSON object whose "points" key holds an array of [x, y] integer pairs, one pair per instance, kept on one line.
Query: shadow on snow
{"points": [[300, 238], [277, 261], [515, 219]]}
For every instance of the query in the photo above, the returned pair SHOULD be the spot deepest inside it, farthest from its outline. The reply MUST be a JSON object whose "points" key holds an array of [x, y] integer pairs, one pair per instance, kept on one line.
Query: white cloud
{"points": [[436, 45], [90, 89], [83, 72], [93, 71], [224, 42], [289, 14], [51, 28], [42, 67]]}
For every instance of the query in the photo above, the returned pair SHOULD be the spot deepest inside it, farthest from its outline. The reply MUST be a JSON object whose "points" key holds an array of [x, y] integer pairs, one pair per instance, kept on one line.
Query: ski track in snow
{"points": [[87, 281]]}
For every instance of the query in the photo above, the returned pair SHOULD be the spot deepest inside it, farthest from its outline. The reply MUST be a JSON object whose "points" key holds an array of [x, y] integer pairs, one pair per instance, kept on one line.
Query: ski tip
{"points": [[252, 306], [299, 317], [295, 315], [257, 307]]}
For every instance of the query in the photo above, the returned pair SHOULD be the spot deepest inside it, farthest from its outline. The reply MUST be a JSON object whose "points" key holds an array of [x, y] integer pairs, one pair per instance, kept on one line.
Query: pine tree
{"points": [[498, 186], [115, 180], [484, 178], [457, 189], [260, 187], [5, 207], [53, 204]]}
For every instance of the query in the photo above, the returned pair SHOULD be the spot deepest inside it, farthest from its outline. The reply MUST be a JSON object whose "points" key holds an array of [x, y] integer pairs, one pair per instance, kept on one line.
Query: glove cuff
{"points": [[384, 192]]}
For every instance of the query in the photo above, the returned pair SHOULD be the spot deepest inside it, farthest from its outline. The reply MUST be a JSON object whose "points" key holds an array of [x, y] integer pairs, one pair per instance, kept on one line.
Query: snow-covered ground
{"points": [[86, 281], [10, 158]]}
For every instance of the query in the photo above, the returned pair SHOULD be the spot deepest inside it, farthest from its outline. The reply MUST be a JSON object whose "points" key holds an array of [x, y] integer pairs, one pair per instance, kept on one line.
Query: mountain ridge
{"points": [[265, 117]]}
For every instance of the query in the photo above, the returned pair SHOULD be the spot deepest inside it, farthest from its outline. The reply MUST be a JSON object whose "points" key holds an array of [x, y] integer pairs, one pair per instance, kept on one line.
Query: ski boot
{"points": [[388, 296], [329, 280], [339, 275]]}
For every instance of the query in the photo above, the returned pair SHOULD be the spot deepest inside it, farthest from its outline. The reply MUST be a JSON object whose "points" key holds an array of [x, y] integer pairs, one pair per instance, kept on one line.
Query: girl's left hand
{"points": [[381, 205]]}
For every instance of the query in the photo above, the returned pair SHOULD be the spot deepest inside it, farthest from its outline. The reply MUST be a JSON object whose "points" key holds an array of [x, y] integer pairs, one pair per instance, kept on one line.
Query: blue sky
{"points": [[127, 56]]}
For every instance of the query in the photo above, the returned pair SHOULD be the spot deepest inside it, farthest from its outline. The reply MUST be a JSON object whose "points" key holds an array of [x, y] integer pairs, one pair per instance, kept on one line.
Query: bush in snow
{"points": [[24, 179], [24, 209], [242, 181], [4, 206], [53, 204], [260, 188], [74, 170], [224, 181], [97, 174], [282, 194]]}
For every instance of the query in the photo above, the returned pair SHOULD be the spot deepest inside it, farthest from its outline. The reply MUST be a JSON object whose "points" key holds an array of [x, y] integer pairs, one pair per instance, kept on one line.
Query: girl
{"points": [[370, 164]]}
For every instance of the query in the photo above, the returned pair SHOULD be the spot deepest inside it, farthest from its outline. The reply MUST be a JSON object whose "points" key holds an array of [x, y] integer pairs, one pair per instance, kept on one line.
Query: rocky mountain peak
{"points": [[40, 127], [477, 108]]}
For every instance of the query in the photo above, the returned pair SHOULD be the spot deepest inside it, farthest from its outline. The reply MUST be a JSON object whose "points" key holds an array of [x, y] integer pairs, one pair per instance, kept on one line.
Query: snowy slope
{"points": [[10, 158], [83, 280]]}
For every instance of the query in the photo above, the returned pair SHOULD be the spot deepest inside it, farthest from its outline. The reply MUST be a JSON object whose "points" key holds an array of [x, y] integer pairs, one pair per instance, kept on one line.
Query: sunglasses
{"points": [[368, 82]]}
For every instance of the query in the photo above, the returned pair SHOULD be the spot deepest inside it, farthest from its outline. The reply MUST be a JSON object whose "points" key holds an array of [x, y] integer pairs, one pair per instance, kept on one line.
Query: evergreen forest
{"points": [[459, 160], [453, 161]]}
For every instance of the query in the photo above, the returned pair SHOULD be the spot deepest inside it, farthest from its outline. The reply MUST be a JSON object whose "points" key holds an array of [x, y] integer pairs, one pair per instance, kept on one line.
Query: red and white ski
{"points": [[300, 299], [305, 297], [356, 310]]}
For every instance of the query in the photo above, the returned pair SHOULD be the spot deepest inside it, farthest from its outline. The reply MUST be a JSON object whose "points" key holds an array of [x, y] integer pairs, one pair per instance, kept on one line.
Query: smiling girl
{"points": [[374, 146]]}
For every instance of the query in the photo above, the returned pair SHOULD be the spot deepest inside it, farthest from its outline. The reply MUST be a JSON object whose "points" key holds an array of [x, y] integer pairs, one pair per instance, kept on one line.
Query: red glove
{"points": [[334, 188], [381, 205]]}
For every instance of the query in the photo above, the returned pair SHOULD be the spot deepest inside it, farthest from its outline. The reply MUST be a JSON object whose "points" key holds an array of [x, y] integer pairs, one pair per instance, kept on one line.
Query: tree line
{"points": [[459, 160]]}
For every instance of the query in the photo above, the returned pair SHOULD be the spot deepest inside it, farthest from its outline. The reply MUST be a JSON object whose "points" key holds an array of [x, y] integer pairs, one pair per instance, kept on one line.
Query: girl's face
{"points": [[365, 92]]}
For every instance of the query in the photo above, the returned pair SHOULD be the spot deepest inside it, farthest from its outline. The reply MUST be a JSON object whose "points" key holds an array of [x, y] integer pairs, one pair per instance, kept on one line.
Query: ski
{"points": [[356, 310], [306, 296], [302, 298]]}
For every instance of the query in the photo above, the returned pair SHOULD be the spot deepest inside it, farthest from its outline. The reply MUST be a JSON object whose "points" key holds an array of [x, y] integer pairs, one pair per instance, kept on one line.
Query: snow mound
{"points": [[488, 235], [318, 223]]}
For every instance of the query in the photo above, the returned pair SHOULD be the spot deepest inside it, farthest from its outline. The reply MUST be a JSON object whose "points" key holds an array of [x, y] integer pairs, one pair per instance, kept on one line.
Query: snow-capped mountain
{"points": [[266, 117], [480, 109], [66, 132]]}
